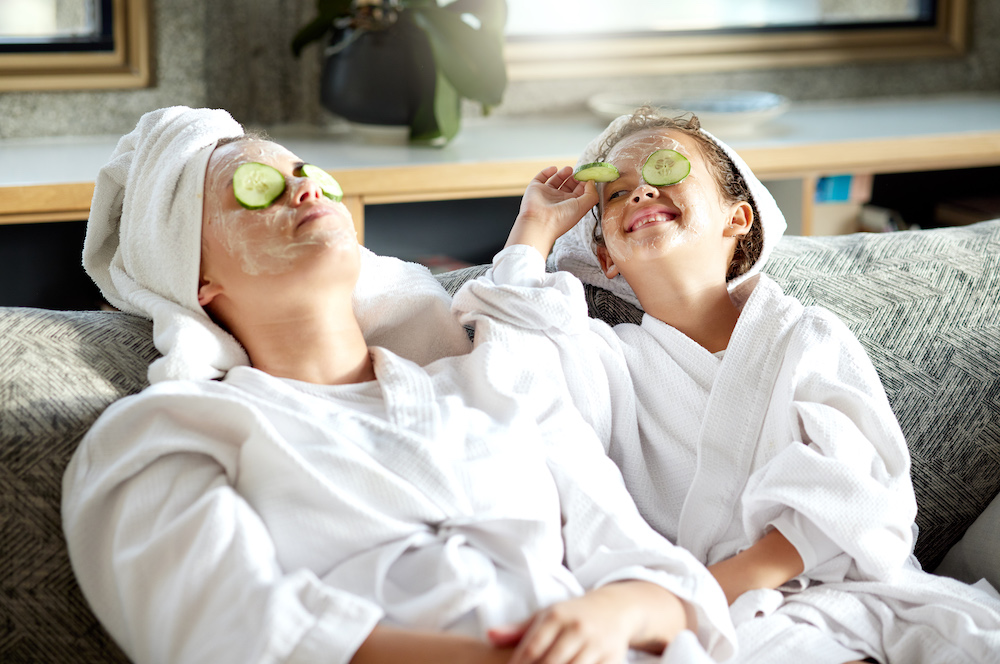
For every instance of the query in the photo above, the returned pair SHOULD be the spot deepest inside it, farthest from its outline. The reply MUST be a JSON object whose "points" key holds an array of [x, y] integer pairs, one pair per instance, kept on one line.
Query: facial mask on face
{"points": [[684, 203], [264, 240]]}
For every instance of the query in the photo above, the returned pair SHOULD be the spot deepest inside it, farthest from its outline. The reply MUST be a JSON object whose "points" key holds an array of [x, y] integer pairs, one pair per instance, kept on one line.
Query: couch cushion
{"points": [[926, 306], [977, 554], [59, 371]]}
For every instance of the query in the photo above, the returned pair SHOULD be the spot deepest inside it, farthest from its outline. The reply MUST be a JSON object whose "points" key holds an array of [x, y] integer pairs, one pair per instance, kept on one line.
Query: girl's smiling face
{"points": [[640, 221]]}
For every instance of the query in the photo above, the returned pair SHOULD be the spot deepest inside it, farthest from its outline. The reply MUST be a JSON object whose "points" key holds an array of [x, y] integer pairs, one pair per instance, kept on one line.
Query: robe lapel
{"points": [[734, 416], [408, 394]]}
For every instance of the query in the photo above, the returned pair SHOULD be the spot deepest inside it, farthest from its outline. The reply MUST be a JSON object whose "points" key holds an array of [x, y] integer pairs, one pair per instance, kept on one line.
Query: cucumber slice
{"points": [[331, 188], [257, 185], [665, 167], [598, 171]]}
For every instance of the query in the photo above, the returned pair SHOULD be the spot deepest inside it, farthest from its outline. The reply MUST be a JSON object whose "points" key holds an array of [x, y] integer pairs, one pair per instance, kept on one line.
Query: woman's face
{"points": [[687, 220], [270, 241]]}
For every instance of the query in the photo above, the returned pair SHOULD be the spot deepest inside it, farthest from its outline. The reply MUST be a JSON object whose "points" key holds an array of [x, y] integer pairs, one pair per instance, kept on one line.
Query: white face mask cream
{"points": [[265, 241], [679, 212]]}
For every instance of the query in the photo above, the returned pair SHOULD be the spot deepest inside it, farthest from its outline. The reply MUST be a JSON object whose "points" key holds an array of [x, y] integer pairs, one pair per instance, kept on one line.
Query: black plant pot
{"points": [[382, 76]]}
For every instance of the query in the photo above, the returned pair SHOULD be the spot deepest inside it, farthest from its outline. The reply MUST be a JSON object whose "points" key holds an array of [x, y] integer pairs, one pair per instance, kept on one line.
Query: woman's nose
{"points": [[306, 188], [644, 191]]}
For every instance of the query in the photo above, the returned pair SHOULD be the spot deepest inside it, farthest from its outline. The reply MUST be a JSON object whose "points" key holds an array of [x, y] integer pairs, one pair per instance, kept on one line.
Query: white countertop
{"points": [[507, 138]]}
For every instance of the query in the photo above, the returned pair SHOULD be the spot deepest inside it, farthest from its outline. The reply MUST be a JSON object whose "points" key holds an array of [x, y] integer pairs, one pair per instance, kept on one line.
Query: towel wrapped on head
{"points": [[574, 251], [143, 250]]}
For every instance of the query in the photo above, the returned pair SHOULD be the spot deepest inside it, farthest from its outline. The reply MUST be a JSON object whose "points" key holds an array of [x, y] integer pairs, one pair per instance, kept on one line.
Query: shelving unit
{"points": [[52, 179]]}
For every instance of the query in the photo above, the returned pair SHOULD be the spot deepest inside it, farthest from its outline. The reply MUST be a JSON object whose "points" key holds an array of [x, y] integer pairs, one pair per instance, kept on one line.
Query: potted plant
{"points": [[409, 62]]}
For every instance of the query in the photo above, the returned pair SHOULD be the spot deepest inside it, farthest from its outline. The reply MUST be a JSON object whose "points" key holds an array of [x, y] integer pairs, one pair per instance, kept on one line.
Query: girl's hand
{"points": [[552, 204], [769, 563], [599, 627]]}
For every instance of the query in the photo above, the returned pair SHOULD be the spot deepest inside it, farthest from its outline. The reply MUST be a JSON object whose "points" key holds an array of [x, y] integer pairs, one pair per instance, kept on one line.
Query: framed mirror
{"points": [[74, 44], [639, 37]]}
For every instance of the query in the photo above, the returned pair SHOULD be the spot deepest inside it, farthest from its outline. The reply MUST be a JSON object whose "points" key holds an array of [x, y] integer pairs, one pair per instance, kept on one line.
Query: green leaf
{"points": [[319, 27], [310, 32], [447, 107], [424, 126], [471, 58], [442, 118]]}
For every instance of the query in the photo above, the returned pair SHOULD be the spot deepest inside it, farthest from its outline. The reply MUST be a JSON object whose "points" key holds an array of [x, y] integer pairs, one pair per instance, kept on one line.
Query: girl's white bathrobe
{"points": [[789, 429], [258, 519]]}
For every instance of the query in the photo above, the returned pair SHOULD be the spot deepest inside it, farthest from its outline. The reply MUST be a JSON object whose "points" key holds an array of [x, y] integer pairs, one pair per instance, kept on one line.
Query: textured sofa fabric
{"points": [[58, 372], [926, 305]]}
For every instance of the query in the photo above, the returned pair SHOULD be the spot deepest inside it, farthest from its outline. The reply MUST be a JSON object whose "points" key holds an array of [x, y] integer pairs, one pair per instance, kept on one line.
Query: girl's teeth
{"points": [[647, 220]]}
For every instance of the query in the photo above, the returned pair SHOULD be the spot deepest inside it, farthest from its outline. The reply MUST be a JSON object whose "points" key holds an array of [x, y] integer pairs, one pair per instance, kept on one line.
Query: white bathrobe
{"points": [[258, 519], [789, 429]]}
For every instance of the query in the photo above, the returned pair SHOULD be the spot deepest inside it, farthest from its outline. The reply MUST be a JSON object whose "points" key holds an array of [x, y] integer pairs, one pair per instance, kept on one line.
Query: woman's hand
{"points": [[598, 628], [552, 204]]}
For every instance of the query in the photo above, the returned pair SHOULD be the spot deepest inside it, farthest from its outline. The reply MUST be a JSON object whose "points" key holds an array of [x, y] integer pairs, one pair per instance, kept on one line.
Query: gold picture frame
{"points": [[127, 65]]}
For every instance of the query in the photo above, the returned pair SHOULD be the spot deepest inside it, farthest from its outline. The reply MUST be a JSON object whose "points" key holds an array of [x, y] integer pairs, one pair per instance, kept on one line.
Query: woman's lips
{"points": [[315, 213], [651, 217]]}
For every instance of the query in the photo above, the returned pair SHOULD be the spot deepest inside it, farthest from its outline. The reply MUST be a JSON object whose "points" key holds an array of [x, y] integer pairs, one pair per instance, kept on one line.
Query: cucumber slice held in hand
{"points": [[598, 171], [256, 185], [331, 188], [665, 167]]}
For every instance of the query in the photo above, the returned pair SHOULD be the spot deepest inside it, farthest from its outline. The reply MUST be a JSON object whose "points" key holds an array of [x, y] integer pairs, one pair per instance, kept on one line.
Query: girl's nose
{"points": [[644, 191], [306, 188]]}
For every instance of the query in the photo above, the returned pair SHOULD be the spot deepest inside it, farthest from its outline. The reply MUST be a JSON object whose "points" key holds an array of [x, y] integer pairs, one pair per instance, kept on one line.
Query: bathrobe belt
{"points": [[434, 576]]}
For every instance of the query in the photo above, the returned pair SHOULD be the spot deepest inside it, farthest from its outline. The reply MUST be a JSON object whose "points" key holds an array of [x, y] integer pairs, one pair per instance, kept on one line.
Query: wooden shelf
{"points": [[52, 179]]}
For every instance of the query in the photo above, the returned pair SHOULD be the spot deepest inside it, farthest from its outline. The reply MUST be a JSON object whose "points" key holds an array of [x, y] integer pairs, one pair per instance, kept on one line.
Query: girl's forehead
{"points": [[640, 144]]}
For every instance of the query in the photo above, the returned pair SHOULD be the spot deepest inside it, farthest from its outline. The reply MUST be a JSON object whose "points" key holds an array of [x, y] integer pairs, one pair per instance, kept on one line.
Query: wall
{"points": [[234, 54], [179, 71]]}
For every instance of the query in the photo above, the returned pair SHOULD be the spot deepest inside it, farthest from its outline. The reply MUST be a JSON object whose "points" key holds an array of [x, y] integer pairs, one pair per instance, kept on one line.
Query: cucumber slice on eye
{"points": [[330, 187], [257, 185], [665, 167], [598, 171]]}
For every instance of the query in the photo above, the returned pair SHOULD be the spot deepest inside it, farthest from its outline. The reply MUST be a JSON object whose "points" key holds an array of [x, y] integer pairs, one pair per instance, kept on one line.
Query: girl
{"points": [[750, 430]]}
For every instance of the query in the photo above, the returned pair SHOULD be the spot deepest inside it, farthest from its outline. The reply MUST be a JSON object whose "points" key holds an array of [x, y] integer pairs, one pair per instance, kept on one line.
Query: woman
{"points": [[750, 430], [287, 491]]}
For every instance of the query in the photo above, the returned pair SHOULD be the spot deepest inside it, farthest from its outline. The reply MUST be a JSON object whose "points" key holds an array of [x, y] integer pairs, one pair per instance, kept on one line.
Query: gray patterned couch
{"points": [[925, 304]]}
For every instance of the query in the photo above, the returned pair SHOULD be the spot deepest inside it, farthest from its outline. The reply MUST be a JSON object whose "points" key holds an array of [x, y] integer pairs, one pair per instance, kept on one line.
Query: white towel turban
{"points": [[574, 253], [143, 249]]}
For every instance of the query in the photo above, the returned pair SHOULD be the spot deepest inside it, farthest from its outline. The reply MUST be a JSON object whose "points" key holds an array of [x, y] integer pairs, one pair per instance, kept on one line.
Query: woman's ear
{"points": [[207, 290], [740, 221], [607, 263]]}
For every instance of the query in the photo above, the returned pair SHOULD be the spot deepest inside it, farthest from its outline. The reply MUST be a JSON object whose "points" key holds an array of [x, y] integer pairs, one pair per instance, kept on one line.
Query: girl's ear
{"points": [[607, 263], [740, 221]]}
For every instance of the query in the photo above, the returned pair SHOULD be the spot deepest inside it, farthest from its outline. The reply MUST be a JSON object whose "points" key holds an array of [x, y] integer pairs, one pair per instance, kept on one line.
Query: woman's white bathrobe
{"points": [[258, 519], [790, 429]]}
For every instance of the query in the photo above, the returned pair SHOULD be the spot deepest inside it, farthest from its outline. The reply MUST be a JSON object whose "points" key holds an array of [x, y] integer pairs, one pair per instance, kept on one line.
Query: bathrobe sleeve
{"points": [[518, 298], [175, 563], [606, 539], [841, 491]]}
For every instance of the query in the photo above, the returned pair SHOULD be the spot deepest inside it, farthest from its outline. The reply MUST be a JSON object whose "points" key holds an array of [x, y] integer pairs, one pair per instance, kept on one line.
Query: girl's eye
{"points": [[616, 194]]}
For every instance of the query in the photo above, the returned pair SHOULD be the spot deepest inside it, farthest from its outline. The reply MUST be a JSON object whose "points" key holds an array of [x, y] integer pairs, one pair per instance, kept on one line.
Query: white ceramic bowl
{"points": [[720, 111]]}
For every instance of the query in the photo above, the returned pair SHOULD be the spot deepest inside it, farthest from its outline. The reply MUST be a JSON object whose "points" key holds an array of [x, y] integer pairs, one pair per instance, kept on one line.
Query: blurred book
{"points": [[854, 188], [838, 202]]}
